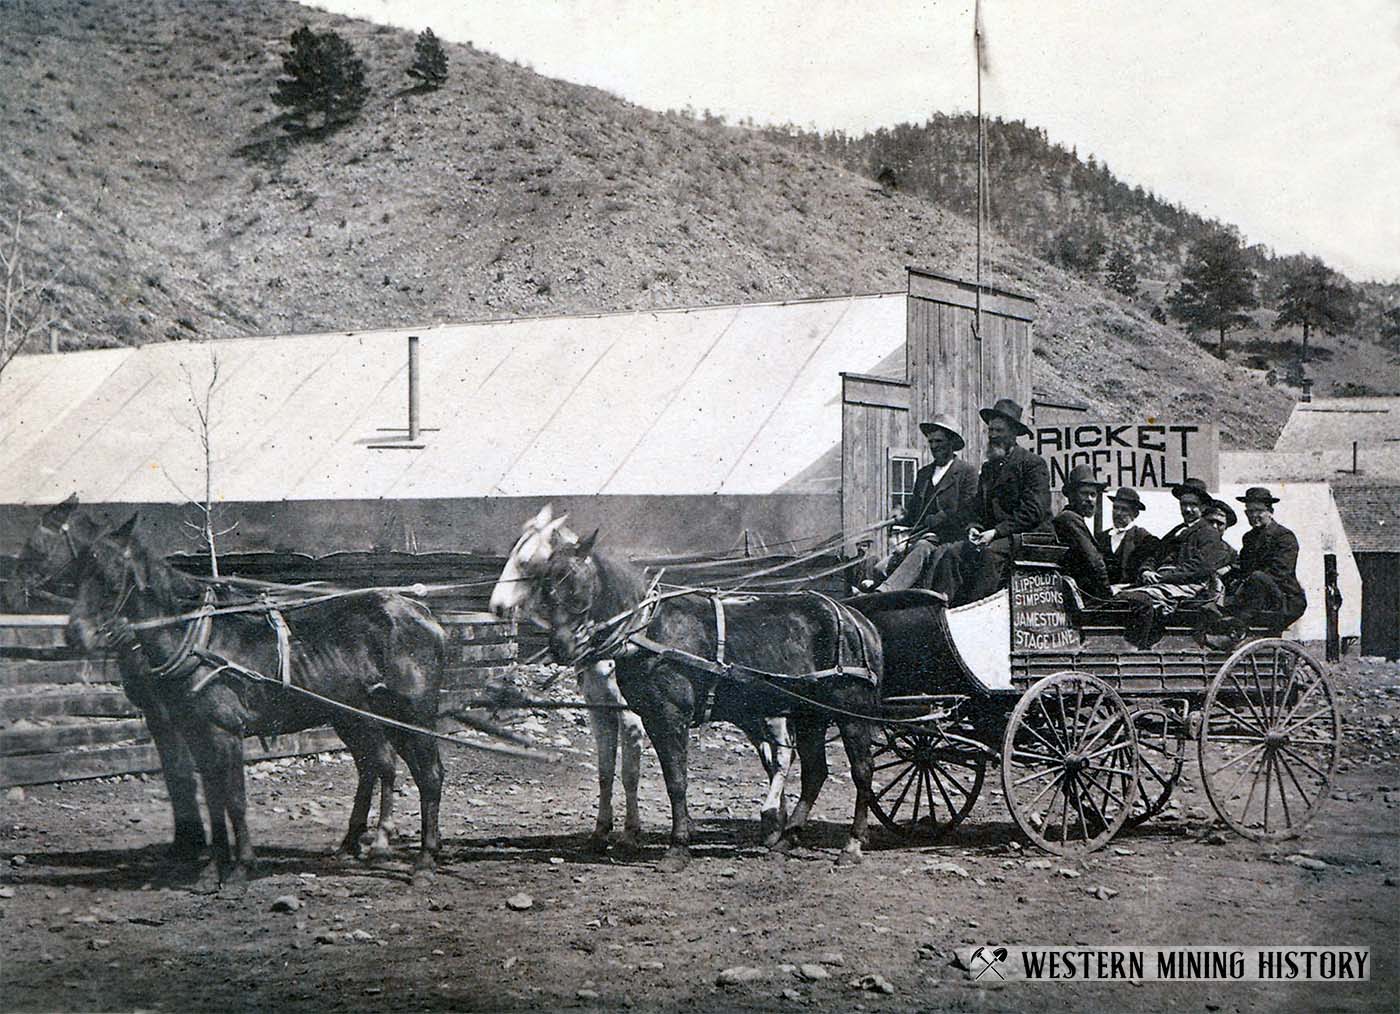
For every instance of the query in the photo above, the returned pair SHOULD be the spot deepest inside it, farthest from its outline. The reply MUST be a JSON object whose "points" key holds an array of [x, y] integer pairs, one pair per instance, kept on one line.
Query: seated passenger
{"points": [[1264, 589], [1126, 545], [943, 502], [1180, 571], [1013, 497], [1083, 562]]}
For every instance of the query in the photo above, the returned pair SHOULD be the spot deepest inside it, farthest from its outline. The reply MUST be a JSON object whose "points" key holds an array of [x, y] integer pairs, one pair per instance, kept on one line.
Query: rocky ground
{"points": [[521, 917]]}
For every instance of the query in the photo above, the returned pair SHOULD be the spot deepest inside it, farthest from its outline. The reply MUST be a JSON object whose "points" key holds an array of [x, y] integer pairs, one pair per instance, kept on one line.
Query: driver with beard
{"points": [[1013, 497]]}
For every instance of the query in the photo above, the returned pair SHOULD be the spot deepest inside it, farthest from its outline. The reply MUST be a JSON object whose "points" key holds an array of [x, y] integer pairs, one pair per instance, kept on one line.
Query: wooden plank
{"points": [[20, 673], [104, 702], [472, 676], [36, 636], [460, 653], [121, 760], [955, 292], [14, 742]]}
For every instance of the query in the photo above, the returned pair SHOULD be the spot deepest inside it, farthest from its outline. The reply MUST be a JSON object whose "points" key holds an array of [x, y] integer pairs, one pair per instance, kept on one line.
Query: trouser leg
{"points": [[988, 573], [920, 560]]}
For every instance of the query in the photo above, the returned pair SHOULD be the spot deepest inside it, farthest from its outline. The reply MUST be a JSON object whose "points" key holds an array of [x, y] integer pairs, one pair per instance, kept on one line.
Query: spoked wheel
{"points": [[1070, 764], [1161, 751], [925, 783], [1270, 739]]}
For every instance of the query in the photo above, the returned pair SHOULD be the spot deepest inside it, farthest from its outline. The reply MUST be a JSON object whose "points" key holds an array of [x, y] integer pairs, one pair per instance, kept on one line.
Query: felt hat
{"points": [[1128, 496], [1008, 410], [1258, 494], [1195, 486], [943, 421], [1224, 509], [1083, 475]]}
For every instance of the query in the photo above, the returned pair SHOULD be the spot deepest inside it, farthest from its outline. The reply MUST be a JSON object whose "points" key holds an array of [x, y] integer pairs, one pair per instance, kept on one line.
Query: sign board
{"points": [[1145, 455], [1039, 616]]}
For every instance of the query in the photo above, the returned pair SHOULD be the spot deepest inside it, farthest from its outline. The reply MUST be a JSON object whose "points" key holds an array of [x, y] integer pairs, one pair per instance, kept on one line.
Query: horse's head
{"points": [[539, 538], [49, 557], [111, 570], [569, 592]]}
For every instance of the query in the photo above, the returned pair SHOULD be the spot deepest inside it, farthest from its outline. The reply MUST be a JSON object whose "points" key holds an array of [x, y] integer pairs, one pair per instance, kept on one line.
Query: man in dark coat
{"points": [[1125, 545], [1013, 497], [1181, 570], [1265, 591], [1084, 562], [943, 502]]}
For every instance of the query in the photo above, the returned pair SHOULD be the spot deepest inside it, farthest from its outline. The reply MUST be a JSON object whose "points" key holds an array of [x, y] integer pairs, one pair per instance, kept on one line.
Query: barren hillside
{"points": [[141, 142]]}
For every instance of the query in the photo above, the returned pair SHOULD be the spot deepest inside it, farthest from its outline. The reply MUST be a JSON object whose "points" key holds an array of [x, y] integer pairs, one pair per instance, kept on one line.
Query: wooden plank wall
{"points": [[64, 717], [949, 369], [875, 417]]}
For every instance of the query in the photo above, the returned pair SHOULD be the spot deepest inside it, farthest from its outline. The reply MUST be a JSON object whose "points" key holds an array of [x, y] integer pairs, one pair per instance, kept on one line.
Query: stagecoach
{"points": [[1090, 732]]}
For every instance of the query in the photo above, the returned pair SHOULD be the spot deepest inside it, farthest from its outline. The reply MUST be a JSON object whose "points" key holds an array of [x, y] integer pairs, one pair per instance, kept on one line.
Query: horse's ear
{"points": [[60, 513], [585, 546], [543, 518], [127, 529]]}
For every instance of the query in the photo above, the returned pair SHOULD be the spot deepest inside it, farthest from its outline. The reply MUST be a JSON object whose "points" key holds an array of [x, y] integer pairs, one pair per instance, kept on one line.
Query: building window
{"points": [[902, 472]]}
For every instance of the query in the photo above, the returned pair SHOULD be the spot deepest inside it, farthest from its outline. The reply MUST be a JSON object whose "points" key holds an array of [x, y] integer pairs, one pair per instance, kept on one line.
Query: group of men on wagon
{"points": [[962, 527]]}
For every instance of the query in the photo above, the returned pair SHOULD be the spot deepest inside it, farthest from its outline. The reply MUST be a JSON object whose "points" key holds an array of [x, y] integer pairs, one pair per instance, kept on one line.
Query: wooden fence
{"points": [[64, 717]]}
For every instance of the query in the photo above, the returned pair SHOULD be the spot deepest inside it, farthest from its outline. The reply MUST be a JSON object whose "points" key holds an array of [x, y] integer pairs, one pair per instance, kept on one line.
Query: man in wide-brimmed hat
{"points": [[1084, 563], [1265, 589], [943, 502], [1013, 497], [1182, 569], [1126, 544]]}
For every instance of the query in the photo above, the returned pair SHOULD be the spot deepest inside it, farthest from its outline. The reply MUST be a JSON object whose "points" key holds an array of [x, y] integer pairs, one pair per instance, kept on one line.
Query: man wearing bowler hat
{"points": [[1083, 562], [1265, 591], [1013, 497], [1182, 569], [943, 502], [1126, 544]]}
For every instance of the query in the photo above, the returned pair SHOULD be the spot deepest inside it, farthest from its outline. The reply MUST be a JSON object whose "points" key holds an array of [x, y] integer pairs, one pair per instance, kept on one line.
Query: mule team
{"points": [[784, 667]]}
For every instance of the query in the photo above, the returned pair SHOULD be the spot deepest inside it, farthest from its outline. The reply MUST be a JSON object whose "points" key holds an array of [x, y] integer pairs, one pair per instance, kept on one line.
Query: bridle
{"points": [[40, 586]]}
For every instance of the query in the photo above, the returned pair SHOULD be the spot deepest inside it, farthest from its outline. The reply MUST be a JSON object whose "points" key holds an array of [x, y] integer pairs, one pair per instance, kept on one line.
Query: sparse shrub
{"points": [[323, 76], [429, 61], [1121, 273]]}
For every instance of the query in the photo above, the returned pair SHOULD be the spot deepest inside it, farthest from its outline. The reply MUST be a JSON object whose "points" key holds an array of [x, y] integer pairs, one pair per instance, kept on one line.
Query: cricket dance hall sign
{"points": [[1140, 455]]}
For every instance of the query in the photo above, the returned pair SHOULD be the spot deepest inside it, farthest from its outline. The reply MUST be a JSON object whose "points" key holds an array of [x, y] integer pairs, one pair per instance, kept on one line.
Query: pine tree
{"points": [[1389, 329], [1122, 273], [1314, 296], [429, 61], [1216, 286], [323, 75]]}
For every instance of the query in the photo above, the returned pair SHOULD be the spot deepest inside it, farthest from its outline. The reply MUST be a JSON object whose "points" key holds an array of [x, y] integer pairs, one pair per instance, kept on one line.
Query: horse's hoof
{"points": [[235, 885], [674, 861], [629, 843], [208, 880], [597, 844], [783, 846], [379, 857], [188, 844]]}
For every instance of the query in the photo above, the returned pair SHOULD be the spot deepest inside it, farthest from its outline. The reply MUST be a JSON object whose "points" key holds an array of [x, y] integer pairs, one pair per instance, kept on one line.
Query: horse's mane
{"points": [[621, 585]]}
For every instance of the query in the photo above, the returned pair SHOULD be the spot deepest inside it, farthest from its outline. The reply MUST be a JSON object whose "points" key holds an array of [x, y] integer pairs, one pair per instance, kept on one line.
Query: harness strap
{"points": [[284, 644], [706, 705], [196, 636]]}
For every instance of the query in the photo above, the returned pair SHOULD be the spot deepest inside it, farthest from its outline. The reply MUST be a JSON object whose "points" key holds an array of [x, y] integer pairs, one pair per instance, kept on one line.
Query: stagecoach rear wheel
{"points": [[1069, 763], [1161, 751], [1270, 740], [925, 783]]}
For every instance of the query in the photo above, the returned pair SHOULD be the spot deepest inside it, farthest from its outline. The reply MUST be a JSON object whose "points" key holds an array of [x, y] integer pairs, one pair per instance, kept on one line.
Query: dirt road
{"points": [[92, 919]]}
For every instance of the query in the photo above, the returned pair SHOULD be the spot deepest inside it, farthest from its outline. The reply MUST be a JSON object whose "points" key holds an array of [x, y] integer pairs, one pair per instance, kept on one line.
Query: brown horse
{"points": [[793, 634], [373, 651], [44, 575]]}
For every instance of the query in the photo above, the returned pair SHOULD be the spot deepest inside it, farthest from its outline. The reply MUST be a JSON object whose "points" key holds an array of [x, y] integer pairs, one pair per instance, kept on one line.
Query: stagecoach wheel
{"points": [[1270, 740], [924, 783], [1161, 751], [1069, 763]]}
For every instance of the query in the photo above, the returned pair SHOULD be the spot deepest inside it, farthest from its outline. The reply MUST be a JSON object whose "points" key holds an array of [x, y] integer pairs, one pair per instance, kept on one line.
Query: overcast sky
{"points": [[1280, 116]]}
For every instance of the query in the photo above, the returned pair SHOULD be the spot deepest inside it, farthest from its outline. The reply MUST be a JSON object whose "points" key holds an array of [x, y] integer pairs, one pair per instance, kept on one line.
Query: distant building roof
{"points": [[1371, 513], [1334, 423], [733, 399]]}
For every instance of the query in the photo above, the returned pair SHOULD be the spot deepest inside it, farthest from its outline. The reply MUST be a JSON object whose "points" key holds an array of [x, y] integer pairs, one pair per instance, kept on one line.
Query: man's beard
{"points": [[997, 451]]}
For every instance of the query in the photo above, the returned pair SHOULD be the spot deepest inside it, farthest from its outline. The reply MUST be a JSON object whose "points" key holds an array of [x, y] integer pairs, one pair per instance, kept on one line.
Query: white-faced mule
{"points": [[374, 651], [697, 656]]}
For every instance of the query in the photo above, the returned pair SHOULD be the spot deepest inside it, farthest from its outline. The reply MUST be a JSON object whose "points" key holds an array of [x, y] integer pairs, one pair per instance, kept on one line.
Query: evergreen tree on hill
{"points": [[1315, 297], [1217, 285], [429, 61], [323, 75], [1122, 273]]}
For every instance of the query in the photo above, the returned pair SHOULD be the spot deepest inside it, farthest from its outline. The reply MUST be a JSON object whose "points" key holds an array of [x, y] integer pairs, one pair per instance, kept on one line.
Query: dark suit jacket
{"points": [[1013, 495], [944, 510], [1189, 553], [1138, 545], [1272, 550], [1083, 562]]}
